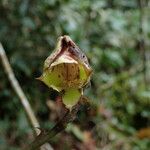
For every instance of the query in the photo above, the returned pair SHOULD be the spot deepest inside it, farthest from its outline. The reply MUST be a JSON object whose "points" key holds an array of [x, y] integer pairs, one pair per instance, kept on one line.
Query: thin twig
{"points": [[17, 88]]}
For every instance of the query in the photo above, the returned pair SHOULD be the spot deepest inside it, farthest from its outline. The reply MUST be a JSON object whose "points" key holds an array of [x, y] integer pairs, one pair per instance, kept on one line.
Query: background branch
{"points": [[142, 44], [17, 88]]}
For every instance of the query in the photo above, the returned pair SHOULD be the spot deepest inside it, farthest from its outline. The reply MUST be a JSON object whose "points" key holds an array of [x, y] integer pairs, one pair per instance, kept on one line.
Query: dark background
{"points": [[115, 35]]}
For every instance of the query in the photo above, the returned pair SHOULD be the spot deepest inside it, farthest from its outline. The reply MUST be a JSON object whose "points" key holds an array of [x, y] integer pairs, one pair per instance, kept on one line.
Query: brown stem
{"points": [[46, 136]]}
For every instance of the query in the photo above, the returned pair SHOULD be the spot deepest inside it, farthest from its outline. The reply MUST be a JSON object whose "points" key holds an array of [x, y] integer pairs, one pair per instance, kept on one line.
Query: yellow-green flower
{"points": [[67, 69]]}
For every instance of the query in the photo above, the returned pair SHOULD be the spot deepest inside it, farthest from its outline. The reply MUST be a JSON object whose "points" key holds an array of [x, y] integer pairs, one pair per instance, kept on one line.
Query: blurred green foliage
{"points": [[108, 31]]}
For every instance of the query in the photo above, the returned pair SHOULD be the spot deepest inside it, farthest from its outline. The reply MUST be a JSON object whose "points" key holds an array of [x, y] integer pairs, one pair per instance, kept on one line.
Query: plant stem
{"points": [[46, 136]]}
